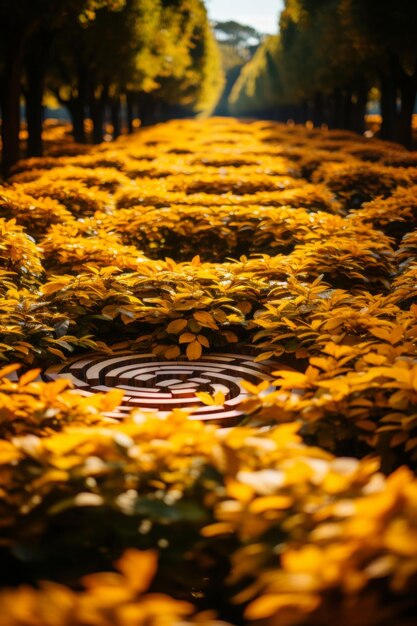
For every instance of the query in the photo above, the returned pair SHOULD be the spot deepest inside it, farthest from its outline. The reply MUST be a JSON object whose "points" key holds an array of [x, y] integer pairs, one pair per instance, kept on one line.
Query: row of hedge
{"points": [[197, 237]]}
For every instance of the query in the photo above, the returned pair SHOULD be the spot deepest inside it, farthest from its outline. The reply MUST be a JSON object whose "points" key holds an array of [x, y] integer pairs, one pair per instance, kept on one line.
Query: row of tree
{"points": [[158, 57], [328, 56], [238, 43]]}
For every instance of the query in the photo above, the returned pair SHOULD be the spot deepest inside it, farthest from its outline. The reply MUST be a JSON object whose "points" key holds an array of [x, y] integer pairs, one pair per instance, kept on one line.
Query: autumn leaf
{"points": [[203, 340], [187, 338], [9, 369], [138, 568], [176, 326], [205, 319], [217, 399], [194, 350], [172, 352], [269, 605], [29, 376]]}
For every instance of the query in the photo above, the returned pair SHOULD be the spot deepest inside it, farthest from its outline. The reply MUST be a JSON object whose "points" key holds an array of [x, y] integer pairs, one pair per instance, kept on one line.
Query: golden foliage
{"points": [[189, 238]]}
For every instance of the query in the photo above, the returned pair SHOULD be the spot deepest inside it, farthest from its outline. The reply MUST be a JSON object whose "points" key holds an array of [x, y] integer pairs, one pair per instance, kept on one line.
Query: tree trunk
{"points": [[34, 107], [129, 112], [318, 109], [310, 110], [115, 110], [36, 62], [329, 110], [408, 92], [347, 110], [97, 107], [338, 108], [76, 109], [359, 108], [150, 111], [405, 131], [10, 100], [304, 111], [76, 106], [388, 106]]}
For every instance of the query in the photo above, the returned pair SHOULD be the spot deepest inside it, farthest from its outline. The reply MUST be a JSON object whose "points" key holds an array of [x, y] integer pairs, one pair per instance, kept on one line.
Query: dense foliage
{"points": [[304, 514]]}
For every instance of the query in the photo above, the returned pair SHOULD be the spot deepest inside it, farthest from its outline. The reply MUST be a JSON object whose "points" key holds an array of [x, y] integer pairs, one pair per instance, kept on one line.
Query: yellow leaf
{"points": [[219, 398], [244, 307], [176, 326], [138, 568], [220, 316], [203, 340], [205, 398], [290, 379], [57, 352], [400, 538], [320, 362], [29, 377], [111, 311], [270, 503], [267, 605], [194, 350], [205, 319], [381, 333], [8, 453], [264, 356], [112, 399], [396, 335], [374, 359], [63, 443], [8, 369], [53, 287], [255, 389], [172, 352], [187, 338], [308, 558], [220, 528]]}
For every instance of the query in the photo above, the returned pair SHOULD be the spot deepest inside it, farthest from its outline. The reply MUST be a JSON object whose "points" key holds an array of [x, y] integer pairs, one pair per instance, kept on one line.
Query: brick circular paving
{"points": [[154, 385]]}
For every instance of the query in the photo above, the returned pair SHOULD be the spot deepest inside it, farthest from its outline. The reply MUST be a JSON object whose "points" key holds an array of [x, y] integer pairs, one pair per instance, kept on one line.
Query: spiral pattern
{"points": [[154, 385]]}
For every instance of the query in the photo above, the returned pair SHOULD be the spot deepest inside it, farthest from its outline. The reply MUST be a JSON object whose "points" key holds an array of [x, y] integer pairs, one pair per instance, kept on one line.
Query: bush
{"points": [[294, 247]]}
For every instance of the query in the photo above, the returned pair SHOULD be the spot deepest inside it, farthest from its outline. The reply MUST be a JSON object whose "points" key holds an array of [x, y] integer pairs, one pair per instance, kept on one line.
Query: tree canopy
{"points": [[238, 43], [258, 89], [158, 56], [330, 54]]}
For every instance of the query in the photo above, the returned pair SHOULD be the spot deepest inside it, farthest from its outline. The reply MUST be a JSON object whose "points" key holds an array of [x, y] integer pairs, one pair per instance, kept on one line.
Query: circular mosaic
{"points": [[154, 385]]}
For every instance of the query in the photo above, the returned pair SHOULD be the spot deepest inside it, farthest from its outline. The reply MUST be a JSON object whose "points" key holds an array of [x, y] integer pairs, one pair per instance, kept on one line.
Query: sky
{"points": [[261, 14]]}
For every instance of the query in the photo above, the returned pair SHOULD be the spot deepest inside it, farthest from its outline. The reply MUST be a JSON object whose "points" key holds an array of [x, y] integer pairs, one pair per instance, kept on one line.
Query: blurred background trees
{"points": [[149, 58], [329, 56], [258, 88], [27, 28], [117, 61], [238, 43]]}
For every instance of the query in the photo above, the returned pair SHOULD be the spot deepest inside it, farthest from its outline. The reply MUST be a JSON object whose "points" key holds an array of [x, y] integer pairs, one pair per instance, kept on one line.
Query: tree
{"points": [[386, 32], [95, 62], [93, 53], [258, 90], [322, 68], [241, 37], [20, 23], [332, 52], [189, 77], [238, 43]]}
